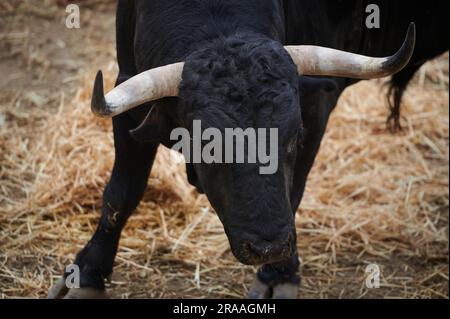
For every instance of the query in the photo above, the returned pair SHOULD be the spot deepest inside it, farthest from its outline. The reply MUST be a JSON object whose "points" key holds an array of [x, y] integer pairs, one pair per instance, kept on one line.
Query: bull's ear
{"points": [[149, 130]]}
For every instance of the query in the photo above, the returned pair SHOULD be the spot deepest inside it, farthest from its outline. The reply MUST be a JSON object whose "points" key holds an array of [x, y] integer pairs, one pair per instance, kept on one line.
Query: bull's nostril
{"points": [[263, 251], [255, 250]]}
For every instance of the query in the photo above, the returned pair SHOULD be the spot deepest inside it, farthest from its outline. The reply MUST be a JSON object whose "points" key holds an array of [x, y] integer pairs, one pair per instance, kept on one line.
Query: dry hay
{"points": [[372, 197]]}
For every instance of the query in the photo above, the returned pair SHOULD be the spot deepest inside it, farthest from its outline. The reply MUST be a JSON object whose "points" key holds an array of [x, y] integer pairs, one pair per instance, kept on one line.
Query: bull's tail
{"points": [[397, 86]]}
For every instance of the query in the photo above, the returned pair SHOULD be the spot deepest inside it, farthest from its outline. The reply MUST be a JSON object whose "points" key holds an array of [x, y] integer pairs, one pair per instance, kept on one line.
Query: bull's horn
{"points": [[164, 81], [148, 86], [315, 60]]}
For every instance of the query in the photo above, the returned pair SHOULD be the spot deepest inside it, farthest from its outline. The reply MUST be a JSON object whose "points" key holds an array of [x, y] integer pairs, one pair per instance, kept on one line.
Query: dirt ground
{"points": [[173, 247]]}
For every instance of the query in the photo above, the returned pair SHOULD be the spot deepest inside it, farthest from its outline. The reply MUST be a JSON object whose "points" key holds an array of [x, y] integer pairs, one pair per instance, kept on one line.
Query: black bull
{"points": [[237, 73]]}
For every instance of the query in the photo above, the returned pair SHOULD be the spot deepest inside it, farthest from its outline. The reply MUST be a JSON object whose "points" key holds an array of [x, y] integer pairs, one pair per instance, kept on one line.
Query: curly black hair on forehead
{"points": [[246, 80]]}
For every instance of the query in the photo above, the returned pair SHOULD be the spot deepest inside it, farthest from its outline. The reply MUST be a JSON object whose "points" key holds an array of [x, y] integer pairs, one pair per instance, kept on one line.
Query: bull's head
{"points": [[248, 82]]}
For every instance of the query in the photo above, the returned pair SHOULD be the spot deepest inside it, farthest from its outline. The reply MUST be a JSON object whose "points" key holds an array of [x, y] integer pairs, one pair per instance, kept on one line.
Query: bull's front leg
{"points": [[123, 193]]}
